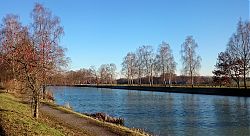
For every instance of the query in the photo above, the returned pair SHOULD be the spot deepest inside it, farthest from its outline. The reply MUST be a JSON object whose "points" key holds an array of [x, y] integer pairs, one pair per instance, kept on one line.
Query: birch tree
{"points": [[166, 63], [112, 72], [30, 53], [139, 64], [18, 51], [129, 68], [46, 34], [148, 62], [190, 60]]}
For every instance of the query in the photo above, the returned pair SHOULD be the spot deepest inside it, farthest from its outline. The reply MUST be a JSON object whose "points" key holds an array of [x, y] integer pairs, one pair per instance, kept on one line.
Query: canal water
{"points": [[162, 113]]}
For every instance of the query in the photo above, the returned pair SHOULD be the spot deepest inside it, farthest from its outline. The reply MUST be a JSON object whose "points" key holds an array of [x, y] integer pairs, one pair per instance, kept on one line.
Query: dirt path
{"points": [[76, 122]]}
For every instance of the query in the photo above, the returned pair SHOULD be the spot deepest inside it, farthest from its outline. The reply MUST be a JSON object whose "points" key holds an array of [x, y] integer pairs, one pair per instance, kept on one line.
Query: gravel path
{"points": [[76, 121]]}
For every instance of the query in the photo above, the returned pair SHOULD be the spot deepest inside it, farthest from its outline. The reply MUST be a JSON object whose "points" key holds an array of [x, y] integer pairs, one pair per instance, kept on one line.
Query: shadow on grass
{"points": [[25, 102], [14, 98], [2, 132], [2, 91], [3, 110]]}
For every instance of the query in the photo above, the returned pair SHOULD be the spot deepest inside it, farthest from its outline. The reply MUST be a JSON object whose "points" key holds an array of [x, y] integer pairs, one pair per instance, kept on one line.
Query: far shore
{"points": [[188, 90]]}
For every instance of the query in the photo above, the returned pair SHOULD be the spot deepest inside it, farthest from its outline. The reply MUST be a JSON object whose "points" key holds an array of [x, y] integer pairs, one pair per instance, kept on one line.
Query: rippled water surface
{"points": [[163, 113]]}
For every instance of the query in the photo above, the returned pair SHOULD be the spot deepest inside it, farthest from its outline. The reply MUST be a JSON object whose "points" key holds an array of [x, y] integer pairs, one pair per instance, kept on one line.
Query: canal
{"points": [[162, 113]]}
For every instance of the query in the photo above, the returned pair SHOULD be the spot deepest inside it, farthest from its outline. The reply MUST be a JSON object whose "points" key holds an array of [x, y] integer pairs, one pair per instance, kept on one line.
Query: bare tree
{"points": [[112, 72], [30, 72], [10, 36], [31, 53], [148, 62], [139, 64], [46, 34], [94, 72], [103, 73], [17, 49], [190, 60], [107, 73], [239, 47], [129, 67], [165, 62]]}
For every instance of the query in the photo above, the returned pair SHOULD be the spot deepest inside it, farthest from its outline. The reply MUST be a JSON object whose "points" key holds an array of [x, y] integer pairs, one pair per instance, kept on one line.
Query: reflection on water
{"points": [[163, 113]]}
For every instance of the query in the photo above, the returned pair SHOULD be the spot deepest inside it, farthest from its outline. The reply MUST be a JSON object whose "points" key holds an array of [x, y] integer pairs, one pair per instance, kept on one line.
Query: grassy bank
{"points": [[16, 119]]}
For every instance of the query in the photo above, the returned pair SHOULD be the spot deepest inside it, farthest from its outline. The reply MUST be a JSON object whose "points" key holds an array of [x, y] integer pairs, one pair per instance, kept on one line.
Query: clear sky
{"points": [[103, 31]]}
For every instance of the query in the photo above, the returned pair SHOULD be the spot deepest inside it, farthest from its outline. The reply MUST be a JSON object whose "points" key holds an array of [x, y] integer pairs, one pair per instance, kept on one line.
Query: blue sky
{"points": [[103, 31]]}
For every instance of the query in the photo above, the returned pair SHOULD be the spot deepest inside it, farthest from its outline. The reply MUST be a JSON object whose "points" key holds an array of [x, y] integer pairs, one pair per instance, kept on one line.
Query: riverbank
{"points": [[188, 90], [16, 119]]}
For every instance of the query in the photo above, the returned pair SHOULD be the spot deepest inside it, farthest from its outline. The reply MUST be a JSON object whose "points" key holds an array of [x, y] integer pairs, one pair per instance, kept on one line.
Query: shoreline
{"points": [[185, 90], [113, 128], [16, 119]]}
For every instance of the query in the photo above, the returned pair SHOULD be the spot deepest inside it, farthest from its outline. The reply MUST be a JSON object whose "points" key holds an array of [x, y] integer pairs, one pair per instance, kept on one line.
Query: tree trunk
{"points": [[111, 79], [152, 80], [192, 80], [140, 81], [164, 76], [238, 84], [149, 80], [169, 80], [139, 76], [97, 81], [164, 79], [36, 106], [44, 91], [151, 76], [244, 76]]}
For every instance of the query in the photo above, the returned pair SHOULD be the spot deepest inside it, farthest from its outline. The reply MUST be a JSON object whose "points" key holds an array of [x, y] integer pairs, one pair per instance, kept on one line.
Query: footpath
{"points": [[89, 125]]}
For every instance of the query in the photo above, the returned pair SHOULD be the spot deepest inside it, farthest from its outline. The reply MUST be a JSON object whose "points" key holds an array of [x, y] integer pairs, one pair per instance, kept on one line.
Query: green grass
{"points": [[16, 119]]}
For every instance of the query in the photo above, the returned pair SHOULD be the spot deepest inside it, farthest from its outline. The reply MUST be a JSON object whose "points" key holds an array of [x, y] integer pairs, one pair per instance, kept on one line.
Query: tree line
{"points": [[105, 74], [31, 54], [92, 75], [145, 63], [144, 66]]}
